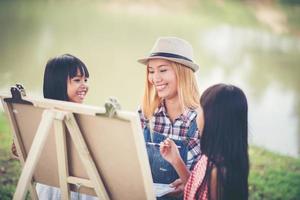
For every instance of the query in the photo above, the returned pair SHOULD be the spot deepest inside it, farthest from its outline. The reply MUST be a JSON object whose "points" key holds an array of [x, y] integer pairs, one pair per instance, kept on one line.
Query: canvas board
{"points": [[115, 144]]}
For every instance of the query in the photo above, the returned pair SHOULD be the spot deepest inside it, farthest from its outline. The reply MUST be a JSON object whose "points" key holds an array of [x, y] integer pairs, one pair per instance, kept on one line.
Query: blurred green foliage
{"points": [[290, 2]]}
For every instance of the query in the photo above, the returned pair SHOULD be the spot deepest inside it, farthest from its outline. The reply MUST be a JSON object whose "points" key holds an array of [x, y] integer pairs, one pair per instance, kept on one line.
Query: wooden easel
{"points": [[59, 119], [99, 149], [16, 94]]}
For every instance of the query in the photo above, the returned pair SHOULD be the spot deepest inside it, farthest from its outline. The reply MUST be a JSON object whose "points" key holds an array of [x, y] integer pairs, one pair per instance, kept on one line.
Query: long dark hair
{"points": [[56, 74], [225, 139]]}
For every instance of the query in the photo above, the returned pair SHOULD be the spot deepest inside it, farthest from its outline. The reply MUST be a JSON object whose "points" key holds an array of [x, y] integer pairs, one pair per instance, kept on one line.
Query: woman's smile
{"points": [[161, 87]]}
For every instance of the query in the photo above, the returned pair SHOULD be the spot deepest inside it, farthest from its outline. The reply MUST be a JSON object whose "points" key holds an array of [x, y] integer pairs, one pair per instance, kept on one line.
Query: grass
{"points": [[272, 176], [9, 167]]}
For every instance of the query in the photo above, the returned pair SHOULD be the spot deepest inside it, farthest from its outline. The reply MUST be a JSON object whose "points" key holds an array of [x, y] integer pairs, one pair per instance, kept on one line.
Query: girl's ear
{"points": [[200, 120]]}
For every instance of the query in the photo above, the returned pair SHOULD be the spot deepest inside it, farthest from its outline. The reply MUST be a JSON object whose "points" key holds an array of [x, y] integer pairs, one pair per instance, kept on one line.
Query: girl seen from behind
{"points": [[222, 171]]}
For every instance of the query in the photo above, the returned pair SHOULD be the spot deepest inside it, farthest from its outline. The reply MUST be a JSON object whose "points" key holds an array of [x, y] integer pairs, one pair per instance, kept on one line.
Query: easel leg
{"points": [[85, 157], [32, 191], [34, 154], [62, 159]]}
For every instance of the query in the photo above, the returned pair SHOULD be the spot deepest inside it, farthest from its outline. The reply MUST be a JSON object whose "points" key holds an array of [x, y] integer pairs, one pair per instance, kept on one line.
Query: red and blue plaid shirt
{"points": [[177, 130]]}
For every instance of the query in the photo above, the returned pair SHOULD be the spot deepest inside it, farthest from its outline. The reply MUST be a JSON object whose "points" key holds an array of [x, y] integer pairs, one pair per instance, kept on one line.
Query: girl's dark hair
{"points": [[225, 139], [56, 75]]}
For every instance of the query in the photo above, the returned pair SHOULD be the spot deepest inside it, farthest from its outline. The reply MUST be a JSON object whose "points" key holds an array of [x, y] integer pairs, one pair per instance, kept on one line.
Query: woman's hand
{"points": [[169, 151], [178, 186]]}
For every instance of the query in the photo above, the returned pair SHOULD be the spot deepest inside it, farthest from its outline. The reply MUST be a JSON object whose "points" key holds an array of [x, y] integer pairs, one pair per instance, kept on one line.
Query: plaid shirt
{"points": [[196, 187], [177, 130]]}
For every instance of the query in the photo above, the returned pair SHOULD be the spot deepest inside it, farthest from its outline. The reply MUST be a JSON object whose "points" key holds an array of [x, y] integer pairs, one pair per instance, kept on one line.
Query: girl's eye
{"points": [[163, 70], [151, 72], [85, 80], [76, 79]]}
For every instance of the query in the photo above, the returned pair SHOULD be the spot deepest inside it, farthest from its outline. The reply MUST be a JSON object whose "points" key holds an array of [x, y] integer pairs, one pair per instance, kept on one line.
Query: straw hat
{"points": [[173, 49]]}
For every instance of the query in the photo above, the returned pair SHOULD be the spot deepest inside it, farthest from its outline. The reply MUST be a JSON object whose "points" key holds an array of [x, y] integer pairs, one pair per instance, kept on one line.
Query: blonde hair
{"points": [[187, 89]]}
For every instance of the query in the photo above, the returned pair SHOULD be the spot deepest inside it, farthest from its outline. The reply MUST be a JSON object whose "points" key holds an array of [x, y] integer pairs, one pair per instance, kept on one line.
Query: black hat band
{"points": [[170, 55]]}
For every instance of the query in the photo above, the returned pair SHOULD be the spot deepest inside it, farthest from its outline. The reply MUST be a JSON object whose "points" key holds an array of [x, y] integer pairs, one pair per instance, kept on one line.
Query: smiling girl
{"points": [[171, 108], [65, 79]]}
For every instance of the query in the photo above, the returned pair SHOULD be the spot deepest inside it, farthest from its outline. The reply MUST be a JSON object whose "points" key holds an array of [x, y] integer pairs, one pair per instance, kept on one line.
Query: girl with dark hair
{"points": [[65, 78], [222, 171]]}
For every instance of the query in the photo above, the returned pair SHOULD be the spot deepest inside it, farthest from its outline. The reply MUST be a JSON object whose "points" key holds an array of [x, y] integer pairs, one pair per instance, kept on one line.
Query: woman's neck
{"points": [[173, 108]]}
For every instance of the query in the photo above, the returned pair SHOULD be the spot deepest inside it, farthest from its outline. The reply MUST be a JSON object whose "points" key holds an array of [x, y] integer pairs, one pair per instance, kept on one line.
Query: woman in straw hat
{"points": [[170, 108]]}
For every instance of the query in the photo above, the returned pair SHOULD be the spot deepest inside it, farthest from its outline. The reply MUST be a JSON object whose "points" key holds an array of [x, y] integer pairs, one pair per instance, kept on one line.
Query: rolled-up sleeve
{"points": [[143, 119]]}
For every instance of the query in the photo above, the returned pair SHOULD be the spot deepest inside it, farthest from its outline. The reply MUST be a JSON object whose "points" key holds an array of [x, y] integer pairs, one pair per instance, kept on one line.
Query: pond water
{"points": [[110, 39]]}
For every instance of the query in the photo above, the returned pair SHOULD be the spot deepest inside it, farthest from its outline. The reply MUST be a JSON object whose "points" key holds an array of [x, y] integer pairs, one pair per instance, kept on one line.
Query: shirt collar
{"points": [[188, 114], [161, 110]]}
